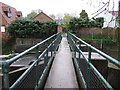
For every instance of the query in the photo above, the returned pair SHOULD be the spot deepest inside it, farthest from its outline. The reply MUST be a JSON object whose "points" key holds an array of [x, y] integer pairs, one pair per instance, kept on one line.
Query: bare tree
{"points": [[59, 16], [105, 5], [119, 13]]}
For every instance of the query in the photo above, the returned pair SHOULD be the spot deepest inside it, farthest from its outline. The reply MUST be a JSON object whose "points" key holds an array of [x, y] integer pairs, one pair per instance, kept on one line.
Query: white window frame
{"points": [[9, 13], [2, 29]]}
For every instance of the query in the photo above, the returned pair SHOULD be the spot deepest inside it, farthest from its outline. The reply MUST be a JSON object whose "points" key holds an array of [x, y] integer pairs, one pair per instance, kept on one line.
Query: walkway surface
{"points": [[62, 74]]}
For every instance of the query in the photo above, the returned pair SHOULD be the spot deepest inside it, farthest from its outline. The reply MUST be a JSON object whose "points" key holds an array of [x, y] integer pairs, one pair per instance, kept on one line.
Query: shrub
{"points": [[32, 29], [77, 23], [84, 21]]}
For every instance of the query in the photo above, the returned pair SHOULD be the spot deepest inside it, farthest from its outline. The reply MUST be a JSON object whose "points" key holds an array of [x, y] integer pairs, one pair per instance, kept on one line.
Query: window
{"points": [[19, 16], [9, 13], [2, 29]]}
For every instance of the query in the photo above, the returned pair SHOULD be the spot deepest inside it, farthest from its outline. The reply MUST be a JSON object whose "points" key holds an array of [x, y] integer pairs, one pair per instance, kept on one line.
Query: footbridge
{"points": [[58, 62]]}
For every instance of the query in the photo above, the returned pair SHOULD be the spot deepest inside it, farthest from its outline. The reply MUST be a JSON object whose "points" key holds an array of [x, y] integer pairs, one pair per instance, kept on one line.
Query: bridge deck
{"points": [[62, 74]]}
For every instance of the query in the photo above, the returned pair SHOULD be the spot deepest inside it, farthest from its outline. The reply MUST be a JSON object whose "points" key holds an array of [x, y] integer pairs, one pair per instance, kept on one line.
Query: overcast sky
{"points": [[55, 6]]}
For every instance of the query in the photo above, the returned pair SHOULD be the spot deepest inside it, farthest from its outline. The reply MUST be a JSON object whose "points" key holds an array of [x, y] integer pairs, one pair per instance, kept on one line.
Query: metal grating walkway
{"points": [[62, 74]]}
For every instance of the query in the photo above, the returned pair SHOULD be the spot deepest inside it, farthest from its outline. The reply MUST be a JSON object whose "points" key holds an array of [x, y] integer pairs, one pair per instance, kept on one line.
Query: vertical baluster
{"points": [[79, 53], [75, 48], [51, 49], [5, 71], [75, 51], [37, 58], [88, 68], [47, 54]]}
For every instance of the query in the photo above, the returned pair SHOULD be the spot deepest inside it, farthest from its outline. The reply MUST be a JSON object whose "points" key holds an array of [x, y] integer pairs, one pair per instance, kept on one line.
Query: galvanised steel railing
{"points": [[34, 77], [88, 76]]}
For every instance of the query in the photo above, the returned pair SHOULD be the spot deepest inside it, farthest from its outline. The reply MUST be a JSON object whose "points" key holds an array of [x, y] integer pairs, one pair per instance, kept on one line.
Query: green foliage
{"points": [[83, 14], [66, 19], [98, 37], [99, 22], [52, 16], [32, 29], [84, 21], [31, 15], [73, 24]]}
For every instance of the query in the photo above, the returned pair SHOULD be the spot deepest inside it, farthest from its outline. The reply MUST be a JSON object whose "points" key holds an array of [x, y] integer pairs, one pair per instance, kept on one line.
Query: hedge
{"points": [[77, 23], [32, 29]]}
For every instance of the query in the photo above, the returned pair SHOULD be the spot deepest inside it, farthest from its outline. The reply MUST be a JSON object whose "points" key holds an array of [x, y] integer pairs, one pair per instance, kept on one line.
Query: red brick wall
{"points": [[59, 28], [88, 32], [42, 17], [4, 36]]}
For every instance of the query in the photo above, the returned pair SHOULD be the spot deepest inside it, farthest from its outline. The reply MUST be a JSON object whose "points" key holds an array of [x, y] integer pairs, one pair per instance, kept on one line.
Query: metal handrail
{"points": [[75, 48], [112, 60], [10, 61], [6, 64]]}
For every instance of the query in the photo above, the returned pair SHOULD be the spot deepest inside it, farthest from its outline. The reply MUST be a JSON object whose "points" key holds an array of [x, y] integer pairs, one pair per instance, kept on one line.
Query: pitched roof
{"points": [[114, 13], [18, 13], [3, 20], [42, 18], [4, 8]]}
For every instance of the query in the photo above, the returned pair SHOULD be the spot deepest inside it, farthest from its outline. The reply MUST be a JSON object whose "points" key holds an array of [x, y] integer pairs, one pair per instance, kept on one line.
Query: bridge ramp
{"points": [[62, 74]]}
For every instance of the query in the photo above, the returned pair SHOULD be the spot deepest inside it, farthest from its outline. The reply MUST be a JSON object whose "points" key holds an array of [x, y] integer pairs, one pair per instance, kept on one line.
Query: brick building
{"points": [[7, 15], [42, 17]]}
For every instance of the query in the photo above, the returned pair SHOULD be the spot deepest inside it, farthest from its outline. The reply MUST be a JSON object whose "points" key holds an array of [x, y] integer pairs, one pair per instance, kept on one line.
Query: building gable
{"points": [[42, 17], [3, 21], [9, 13]]}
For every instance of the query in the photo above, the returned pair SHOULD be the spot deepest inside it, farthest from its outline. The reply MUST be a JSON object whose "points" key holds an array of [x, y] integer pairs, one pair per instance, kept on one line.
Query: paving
{"points": [[62, 74]]}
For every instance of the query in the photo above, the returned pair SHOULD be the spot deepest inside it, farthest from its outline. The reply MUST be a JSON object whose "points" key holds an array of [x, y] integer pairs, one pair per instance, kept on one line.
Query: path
{"points": [[62, 74]]}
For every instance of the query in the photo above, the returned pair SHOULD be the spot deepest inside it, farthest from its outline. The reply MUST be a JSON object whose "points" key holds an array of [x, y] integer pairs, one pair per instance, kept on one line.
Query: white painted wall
{"points": [[107, 18]]}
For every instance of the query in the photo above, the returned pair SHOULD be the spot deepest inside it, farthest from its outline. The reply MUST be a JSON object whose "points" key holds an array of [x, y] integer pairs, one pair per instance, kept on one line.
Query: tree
{"points": [[83, 14], [31, 15], [84, 21], [52, 16], [32, 29], [59, 16], [73, 24], [119, 13], [99, 22], [66, 19]]}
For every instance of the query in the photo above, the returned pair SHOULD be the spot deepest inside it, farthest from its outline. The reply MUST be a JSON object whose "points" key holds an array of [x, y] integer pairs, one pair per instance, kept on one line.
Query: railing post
{"points": [[75, 51], [79, 57], [89, 54], [88, 71], [46, 57], [37, 56], [75, 47], [5, 71], [79, 52], [51, 49], [47, 54]]}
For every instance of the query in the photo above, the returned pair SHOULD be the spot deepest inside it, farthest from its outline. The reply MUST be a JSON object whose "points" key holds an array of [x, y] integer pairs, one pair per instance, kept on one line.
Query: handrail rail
{"points": [[104, 81], [27, 71], [10, 61], [54, 41], [112, 60], [89, 68]]}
